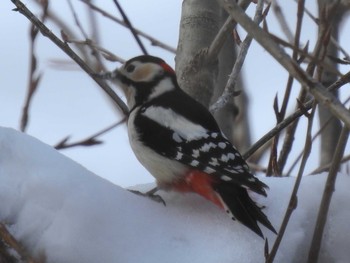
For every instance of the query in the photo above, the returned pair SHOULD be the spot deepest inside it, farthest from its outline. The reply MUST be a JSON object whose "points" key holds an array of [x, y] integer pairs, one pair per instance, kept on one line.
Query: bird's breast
{"points": [[163, 169]]}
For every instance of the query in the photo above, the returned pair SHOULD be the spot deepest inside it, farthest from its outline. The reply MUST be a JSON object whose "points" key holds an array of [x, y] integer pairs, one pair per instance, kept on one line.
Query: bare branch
{"points": [[76, 19], [301, 152], [281, 114], [130, 26], [229, 91], [105, 53], [6, 236], [315, 88], [293, 202], [326, 167], [291, 118], [99, 65], [327, 197], [89, 141], [34, 78], [65, 48], [154, 41], [333, 40], [224, 31]]}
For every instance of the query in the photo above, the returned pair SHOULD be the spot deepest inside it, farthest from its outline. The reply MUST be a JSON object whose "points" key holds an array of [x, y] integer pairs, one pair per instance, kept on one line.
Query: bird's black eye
{"points": [[130, 68]]}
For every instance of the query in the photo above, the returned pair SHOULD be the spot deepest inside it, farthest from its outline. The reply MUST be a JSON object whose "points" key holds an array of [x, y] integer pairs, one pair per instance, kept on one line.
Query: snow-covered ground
{"points": [[56, 207]]}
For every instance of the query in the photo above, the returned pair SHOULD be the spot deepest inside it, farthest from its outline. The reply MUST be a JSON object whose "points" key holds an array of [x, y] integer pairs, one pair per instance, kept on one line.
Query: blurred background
{"points": [[69, 103]]}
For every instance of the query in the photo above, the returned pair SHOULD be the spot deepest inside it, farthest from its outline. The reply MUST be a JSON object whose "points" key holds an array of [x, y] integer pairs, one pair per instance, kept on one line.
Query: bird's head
{"points": [[144, 77]]}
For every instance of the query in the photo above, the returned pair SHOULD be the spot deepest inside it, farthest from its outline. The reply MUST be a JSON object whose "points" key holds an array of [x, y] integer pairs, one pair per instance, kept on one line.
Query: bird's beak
{"points": [[109, 75]]}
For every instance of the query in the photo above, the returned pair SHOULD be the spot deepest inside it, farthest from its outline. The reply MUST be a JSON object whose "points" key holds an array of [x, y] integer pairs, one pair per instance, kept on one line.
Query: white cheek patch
{"points": [[146, 72], [183, 128]]}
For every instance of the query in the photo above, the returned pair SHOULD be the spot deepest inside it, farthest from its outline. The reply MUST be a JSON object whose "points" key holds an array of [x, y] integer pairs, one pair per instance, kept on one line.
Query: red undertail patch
{"points": [[200, 183]]}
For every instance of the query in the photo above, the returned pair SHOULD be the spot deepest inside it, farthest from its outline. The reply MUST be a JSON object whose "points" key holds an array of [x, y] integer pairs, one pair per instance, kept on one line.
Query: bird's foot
{"points": [[150, 194]]}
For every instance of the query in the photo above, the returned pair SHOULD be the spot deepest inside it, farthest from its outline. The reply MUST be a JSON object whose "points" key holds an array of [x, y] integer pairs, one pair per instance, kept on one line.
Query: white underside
{"points": [[164, 170]]}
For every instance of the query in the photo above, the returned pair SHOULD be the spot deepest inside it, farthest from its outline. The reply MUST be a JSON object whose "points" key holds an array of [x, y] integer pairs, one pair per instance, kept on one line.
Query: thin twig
{"points": [[301, 152], [105, 53], [334, 41], [293, 202], [11, 241], [34, 79], [326, 167], [67, 28], [272, 168], [281, 114], [291, 118], [323, 167], [65, 48], [306, 56], [130, 26], [89, 141], [76, 19], [154, 41], [317, 55], [311, 85], [229, 91], [99, 65], [224, 31], [327, 197]]}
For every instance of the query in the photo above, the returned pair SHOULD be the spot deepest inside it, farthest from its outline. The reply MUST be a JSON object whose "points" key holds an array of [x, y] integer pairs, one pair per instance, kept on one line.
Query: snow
{"points": [[56, 207]]}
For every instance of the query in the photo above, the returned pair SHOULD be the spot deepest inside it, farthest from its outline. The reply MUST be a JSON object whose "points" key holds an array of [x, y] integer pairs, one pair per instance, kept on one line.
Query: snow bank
{"points": [[56, 207]]}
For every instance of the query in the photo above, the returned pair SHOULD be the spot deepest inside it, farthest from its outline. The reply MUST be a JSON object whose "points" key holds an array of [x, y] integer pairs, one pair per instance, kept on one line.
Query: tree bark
{"points": [[205, 80], [200, 21], [332, 13]]}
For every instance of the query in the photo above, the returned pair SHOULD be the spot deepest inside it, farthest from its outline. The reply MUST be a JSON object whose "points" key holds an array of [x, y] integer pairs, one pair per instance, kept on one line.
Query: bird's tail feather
{"points": [[240, 206]]}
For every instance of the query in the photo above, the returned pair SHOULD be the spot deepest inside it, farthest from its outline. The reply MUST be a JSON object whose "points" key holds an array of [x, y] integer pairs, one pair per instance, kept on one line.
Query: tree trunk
{"points": [[330, 12], [200, 21], [203, 80]]}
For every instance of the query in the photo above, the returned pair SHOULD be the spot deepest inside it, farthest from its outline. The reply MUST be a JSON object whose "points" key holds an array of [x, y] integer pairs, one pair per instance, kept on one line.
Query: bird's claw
{"points": [[151, 195]]}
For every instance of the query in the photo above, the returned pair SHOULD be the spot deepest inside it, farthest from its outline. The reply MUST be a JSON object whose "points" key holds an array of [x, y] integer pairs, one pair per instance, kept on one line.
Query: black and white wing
{"points": [[187, 132]]}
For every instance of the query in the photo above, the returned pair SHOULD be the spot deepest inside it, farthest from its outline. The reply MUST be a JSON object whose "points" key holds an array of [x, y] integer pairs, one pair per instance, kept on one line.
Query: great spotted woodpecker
{"points": [[179, 142]]}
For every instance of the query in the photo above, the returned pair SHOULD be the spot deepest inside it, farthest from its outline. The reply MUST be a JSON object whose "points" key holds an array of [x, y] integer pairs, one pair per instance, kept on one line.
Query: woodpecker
{"points": [[179, 142]]}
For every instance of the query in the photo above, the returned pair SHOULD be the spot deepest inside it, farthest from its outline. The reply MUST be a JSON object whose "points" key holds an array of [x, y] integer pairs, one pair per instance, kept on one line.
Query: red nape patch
{"points": [[167, 68], [200, 183]]}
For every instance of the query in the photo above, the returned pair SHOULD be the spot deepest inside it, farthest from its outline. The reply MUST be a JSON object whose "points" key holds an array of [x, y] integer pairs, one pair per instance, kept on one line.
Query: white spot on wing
{"points": [[231, 171], [209, 170], [252, 179], [224, 158], [226, 178], [222, 145], [207, 146], [177, 123], [195, 153], [178, 156], [194, 163], [214, 161], [231, 156]]}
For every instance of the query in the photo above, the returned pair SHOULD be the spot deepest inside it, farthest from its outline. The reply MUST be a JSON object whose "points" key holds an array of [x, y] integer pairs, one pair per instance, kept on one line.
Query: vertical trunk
{"points": [[203, 80], [200, 21], [331, 14]]}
